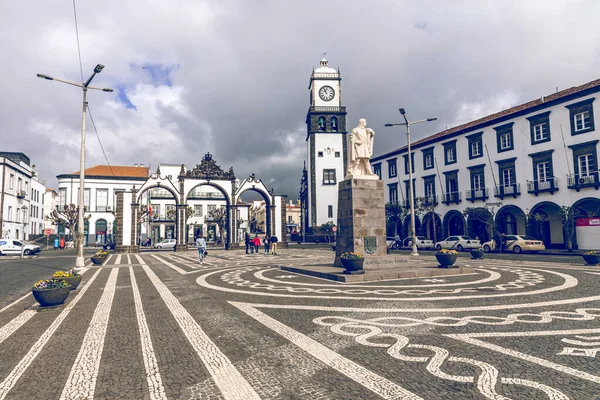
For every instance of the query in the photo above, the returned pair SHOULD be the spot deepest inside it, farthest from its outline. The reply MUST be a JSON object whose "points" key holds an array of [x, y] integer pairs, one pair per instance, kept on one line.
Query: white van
{"points": [[11, 246]]}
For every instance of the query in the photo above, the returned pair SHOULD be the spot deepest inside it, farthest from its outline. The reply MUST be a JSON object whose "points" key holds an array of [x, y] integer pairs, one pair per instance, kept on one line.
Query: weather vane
{"points": [[323, 55]]}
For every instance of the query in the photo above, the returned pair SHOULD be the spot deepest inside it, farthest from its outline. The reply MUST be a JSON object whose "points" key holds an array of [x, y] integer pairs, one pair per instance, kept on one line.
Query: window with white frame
{"points": [[197, 210], [450, 155], [429, 190], [508, 177], [392, 168], [476, 149], [62, 197], [586, 164], [428, 160], [477, 182], [540, 132], [505, 141], [543, 171], [86, 198], [329, 177], [330, 211], [11, 182], [582, 121], [393, 192], [10, 213], [101, 199], [20, 184]]}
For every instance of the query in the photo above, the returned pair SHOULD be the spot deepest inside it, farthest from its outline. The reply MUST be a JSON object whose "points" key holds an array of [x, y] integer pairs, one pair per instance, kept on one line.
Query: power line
{"points": [[99, 141], [77, 34]]}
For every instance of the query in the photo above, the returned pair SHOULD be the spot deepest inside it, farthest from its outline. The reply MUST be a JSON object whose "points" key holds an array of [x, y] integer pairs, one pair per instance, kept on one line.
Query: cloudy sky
{"points": [[231, 77]]}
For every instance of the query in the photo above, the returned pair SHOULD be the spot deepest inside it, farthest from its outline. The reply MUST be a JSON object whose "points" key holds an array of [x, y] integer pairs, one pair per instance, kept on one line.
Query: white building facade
{"points": [[525, 166], [326, 147], [50, 203], [15, 198], [102, 185], [37, 196]]}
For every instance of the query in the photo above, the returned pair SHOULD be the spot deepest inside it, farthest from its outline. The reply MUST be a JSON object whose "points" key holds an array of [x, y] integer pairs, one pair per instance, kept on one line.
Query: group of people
{"points": [[253, 244]]}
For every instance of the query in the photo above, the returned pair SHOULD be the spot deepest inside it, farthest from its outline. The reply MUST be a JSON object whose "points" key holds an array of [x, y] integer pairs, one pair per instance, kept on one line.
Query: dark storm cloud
{"points": [[231, 77]]}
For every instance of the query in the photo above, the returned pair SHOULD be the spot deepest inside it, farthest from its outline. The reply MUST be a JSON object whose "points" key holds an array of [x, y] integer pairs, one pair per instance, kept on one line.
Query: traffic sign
{"points": [[47, 231], [334, 229]]}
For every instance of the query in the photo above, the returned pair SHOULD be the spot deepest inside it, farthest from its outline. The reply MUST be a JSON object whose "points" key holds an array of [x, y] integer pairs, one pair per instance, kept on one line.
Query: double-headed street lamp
{"points": [[408, 123], [79, 261]]}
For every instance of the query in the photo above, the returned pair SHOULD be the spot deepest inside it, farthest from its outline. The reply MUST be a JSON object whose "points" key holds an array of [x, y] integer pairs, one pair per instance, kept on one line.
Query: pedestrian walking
{"points": [[256, 242], [502, 242], [266, 241], [274, 241], [247, 240], [201, 244]]}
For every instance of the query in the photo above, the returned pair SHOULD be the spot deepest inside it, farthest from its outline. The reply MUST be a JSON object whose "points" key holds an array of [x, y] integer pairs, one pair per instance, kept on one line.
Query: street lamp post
{"points": [[408, 123], [79, 261]]}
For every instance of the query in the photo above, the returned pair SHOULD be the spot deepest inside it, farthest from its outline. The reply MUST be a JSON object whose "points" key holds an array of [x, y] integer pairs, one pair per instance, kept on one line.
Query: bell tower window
{"points": [[321, 123], [334, 124]]}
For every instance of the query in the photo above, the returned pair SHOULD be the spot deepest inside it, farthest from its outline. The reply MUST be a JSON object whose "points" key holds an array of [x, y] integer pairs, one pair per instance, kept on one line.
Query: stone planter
{"points": [[51, 297], [446, 260], [476, 253], [98, 260], [591, 259], [353, 266], [74, 281]]}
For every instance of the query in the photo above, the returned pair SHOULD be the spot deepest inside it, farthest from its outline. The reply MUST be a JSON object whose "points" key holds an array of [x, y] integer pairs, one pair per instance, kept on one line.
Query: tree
{"points": [[68, 216], [484, 215], [394, 215], [217, 215]]}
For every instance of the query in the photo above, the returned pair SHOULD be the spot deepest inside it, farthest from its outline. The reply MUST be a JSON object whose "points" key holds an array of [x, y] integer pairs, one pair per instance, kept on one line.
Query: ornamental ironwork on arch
{"points": [[209, 169]]}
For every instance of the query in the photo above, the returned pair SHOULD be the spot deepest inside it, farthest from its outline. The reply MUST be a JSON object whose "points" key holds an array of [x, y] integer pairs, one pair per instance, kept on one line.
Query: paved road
{"points": [[161, 326]]}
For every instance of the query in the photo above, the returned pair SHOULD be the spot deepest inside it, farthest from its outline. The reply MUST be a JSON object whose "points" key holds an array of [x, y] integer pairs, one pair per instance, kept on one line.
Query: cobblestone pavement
{"points": [[162, 326]]}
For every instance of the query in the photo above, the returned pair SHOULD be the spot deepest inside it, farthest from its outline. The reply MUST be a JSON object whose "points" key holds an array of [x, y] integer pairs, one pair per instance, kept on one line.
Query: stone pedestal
{"points": [[361, 219]]}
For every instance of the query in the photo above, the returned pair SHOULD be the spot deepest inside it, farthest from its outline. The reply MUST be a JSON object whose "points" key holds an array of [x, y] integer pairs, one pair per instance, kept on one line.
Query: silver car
{"points": [[458, 243], [166, 244]]}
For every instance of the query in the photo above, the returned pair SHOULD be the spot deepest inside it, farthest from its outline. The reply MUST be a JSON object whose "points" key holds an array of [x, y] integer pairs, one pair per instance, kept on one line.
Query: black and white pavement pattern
{"points": [[162, 326]]}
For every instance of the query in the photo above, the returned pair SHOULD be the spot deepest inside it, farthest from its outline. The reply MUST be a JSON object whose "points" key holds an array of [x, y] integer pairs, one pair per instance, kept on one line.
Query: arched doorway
{"points": [[427, 228], [101, 231], [454, 223], [480, 223], [583, 211], [208, 217], [511, 220], [156, 213], [406, 226], [545, 223]]}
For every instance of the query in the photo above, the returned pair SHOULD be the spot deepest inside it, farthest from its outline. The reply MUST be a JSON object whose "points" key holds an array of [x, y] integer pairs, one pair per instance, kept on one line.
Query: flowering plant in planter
{"points": [[65, 274], [592, 253], [101, 253], [49, 284], [446, 251], [351, 256]]}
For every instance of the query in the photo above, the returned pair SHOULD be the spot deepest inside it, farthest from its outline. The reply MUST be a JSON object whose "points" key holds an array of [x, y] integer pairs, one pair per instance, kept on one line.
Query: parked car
{"points": [[517, 244], [166, 244], [458, 243], [11, 246], [422, 243]]}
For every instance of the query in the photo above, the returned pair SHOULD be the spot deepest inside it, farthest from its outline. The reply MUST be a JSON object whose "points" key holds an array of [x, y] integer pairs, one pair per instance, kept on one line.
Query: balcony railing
{"points": [[328, 108], [205, 195], [452, 197], [511, 190], [21, 194], [578, 181], [427, 201], [549, 185], [160, 194], [473, 195]]}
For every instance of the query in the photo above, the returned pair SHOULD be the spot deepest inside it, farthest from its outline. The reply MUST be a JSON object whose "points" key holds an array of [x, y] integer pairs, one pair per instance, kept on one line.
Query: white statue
{"points": [[360, 152]]}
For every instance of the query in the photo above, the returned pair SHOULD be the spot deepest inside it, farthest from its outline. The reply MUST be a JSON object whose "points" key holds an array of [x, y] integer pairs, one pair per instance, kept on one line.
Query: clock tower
{"points": [[326, 145]]}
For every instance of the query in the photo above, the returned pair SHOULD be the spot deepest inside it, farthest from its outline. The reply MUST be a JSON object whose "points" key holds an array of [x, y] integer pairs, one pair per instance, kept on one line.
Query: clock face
{"points": [[326, 93]]}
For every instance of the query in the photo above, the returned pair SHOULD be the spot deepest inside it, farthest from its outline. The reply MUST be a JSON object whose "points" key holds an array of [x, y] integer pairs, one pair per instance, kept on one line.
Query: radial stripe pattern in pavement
{"points": [[247, 330]]}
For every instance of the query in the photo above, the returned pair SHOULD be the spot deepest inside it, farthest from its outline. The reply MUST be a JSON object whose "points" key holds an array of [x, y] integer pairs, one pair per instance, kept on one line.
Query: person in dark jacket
{"points": [[247, 240], [266, 241], [274, 241]]}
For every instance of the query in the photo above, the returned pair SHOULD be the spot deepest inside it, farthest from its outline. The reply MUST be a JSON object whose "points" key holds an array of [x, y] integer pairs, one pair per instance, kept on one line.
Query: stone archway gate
{"points": [[205, 173]]}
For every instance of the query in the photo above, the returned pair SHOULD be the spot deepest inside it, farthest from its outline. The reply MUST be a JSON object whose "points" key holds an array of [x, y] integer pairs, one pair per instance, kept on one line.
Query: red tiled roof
{"points": [[503, 113], [116, 170]]}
